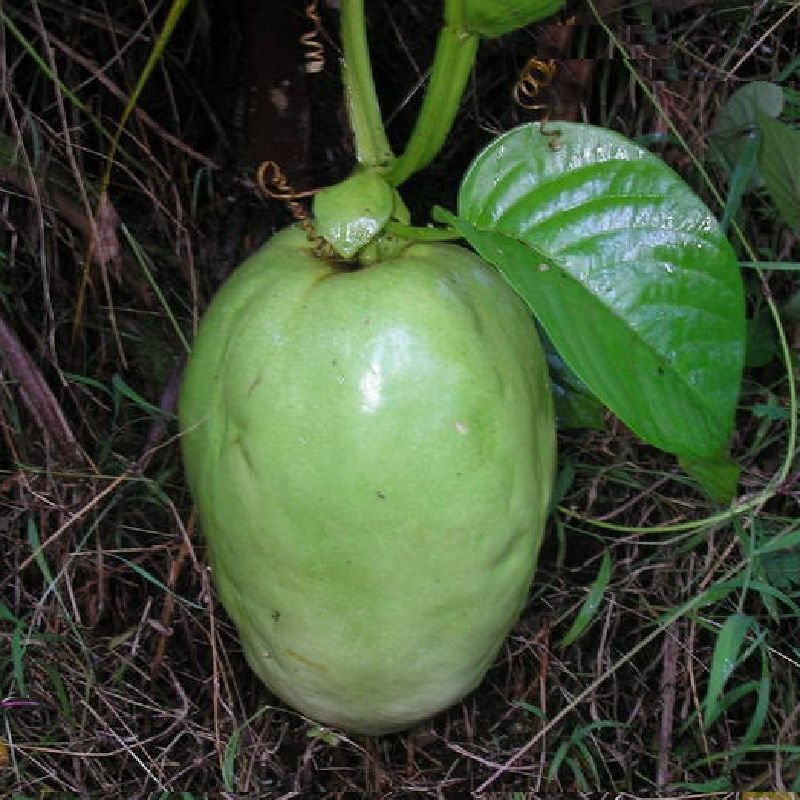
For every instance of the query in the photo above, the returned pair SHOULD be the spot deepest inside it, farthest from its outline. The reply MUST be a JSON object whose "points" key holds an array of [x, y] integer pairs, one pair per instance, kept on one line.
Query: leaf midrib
{"points": [[540, 185]]}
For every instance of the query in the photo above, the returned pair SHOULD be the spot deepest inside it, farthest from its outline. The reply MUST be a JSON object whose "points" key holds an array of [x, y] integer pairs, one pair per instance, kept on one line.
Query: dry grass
{"points": [[122, 676]]}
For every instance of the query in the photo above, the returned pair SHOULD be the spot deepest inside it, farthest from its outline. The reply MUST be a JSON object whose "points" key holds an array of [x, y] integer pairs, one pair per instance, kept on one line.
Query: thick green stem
{"points": [[372, 146], [416, 234], [454, 14], [452, 64]]}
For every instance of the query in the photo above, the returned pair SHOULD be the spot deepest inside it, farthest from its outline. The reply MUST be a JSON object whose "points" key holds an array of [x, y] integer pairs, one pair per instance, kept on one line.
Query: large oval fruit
{"points": [[371, 453]]}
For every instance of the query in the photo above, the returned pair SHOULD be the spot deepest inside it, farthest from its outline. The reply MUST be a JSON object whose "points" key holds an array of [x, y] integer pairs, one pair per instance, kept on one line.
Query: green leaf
{"points": [[625, 269], [757, 716], [779, 163], [736, 121], [737, 139], [726, 653], [575, 405], [352, 213], [718, 474], [592, 602], [496, 17], [741, 178], [761, 340], [714, 594]]}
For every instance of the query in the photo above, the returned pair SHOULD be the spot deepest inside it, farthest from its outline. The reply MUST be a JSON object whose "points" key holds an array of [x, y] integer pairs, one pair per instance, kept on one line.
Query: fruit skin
{"points": [[371, 453]]}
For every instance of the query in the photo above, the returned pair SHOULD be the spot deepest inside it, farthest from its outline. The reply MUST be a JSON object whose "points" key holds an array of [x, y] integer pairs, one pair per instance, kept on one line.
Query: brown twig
{"points": [[59, 201], [169, 600], [36, 394], [669, 671]]}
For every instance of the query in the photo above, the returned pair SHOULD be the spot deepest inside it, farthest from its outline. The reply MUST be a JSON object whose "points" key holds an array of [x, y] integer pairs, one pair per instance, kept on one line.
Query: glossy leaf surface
{"points": [[625, 269]]}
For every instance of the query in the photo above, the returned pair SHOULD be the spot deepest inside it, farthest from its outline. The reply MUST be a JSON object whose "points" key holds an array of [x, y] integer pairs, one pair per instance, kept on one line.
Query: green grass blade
{"points": [[592, 602], [785, 266], [229, 761], [150, 578], [726, 653], [120, 388], [558, 759], [766, 590], [759, 716], [597, 725], [36, 548], [535, 710], [577, 774], [83, 379], [64, 705], [143, 262], [232, 749], [588, 759], [782, 541], [41, 63], [6, 615], [713, 786], [173, 16], [18, 662]]}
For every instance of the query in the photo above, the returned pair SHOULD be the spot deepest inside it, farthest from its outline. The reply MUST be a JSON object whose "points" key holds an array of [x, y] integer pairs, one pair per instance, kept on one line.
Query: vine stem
{"points": [[372, 146], [452, 64], [455, 55]]}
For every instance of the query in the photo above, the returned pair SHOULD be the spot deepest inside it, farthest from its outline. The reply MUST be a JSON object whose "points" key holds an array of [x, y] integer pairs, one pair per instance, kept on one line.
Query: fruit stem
{"points": [[416, 234], [455, 54], [372, 146]]}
